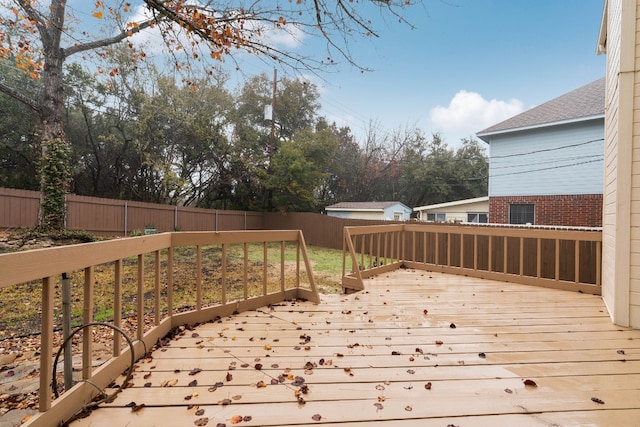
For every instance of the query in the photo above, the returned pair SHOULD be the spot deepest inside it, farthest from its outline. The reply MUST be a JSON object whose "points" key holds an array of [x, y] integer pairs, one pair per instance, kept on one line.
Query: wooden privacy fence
{"points": [[555, 258], [157, 267], [111, 217]]}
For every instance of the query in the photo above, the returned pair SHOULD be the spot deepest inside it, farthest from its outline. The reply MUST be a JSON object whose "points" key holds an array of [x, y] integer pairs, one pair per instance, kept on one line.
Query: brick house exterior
{"points": [[546, 164], [577, 210]]}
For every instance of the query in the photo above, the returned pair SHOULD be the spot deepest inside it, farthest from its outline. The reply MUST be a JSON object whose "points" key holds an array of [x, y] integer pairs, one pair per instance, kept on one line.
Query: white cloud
{"points": [[469, 113]]}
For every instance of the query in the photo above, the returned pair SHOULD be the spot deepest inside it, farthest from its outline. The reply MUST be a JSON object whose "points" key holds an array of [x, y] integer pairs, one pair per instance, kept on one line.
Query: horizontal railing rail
{"points": [[555, 258], [234, 272]]}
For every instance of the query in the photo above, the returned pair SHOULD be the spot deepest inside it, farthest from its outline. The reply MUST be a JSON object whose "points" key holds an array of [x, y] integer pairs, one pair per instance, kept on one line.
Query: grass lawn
{"points": [[20, 304]]}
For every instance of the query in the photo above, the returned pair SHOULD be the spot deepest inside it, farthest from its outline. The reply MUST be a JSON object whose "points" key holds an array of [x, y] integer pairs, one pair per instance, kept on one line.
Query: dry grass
{"points": [[20, 304]]}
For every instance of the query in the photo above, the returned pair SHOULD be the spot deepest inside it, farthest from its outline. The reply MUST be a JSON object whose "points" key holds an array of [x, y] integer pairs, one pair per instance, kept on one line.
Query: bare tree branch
{"points": [[34, 104], [96, 44]]}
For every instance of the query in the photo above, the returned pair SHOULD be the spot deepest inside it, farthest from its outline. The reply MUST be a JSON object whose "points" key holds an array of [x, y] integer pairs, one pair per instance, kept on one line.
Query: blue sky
{"points": [[468, 65]]}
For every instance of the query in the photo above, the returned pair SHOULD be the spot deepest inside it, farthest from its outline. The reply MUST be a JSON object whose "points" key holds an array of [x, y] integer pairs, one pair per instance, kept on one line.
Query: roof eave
{"points": [[355, 209], [601, 47], [484, 135]]}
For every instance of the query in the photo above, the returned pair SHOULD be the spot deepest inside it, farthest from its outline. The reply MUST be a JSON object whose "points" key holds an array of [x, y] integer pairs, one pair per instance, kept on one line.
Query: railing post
{"points": [[140, 297], [117, 304], [66, 331], [46, 343], [87, 317], [157, 288], [198, 277]]}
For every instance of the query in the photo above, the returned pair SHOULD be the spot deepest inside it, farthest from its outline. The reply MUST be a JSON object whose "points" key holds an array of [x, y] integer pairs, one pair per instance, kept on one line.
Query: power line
{"points": [[549, 168], [548, 149], [558, 160]]}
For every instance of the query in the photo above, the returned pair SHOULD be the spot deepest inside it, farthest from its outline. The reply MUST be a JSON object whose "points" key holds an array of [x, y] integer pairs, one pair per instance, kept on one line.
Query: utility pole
{"points": [[271, 139]]}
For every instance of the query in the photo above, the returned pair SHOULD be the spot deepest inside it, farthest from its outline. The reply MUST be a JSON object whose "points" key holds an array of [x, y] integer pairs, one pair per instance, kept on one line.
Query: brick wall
{"points": [[580, 210]]}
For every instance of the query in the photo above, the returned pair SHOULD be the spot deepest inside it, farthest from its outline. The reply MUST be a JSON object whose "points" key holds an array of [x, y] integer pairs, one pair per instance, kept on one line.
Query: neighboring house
{"points": [[621, 224], [468, 210], [390, 211], [546, 164]]}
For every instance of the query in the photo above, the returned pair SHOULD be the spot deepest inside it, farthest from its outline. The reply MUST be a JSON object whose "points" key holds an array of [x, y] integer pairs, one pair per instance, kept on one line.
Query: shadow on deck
{"points": [[415, 348]]}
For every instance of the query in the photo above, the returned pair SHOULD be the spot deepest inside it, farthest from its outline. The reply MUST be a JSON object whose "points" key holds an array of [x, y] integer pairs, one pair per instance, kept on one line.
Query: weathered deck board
{"points": [[368, 356]]}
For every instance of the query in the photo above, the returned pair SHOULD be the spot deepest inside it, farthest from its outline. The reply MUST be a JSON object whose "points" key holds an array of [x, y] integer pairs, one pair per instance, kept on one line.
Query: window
{"points": [[478, 217], [397, 216], [439, 217], [522, 214]]}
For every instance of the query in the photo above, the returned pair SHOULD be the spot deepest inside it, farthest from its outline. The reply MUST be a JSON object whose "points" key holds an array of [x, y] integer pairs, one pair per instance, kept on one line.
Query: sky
{"points": [[468, 65], [460, 67]]}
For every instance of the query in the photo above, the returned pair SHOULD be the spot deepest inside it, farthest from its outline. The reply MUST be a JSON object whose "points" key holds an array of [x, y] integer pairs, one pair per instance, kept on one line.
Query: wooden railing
{"points": [[155, 264], [555, 258]]}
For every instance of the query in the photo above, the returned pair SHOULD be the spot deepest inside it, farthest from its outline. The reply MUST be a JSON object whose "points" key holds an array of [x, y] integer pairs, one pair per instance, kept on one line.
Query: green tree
{"points": [[39, 37], [19, 148], [300, 168]]}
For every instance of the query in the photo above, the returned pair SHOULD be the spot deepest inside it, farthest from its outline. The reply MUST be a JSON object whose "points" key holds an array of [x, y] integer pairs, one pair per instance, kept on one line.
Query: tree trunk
{"points": [[54, 166]]}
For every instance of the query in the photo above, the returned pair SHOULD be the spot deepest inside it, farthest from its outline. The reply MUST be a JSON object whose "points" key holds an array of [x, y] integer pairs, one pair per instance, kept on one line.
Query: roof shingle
{"points": [[582, 103]]}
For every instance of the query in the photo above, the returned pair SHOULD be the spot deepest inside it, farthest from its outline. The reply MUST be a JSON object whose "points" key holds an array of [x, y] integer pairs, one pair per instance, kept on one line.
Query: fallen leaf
{"points": [[595, 399], [427, 386], [408, 408], [452, 326], [316, 417], [201, 421], [482, 355], [530, 383], [381, 399], [237, 397], [438, 342], [169, 383], [378, 406], [195, 371], [620, 351], [411, 371], [229, 377], [200, 412], [508, 390], [236, 419], [193, 383], [261, 384], [136, 408]]}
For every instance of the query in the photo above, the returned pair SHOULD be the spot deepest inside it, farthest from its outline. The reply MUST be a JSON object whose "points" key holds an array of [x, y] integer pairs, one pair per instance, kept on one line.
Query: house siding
{"points": [[356, 214], [633, 79], [529, 163], [575, 210], [458, 213], [621, 232]]}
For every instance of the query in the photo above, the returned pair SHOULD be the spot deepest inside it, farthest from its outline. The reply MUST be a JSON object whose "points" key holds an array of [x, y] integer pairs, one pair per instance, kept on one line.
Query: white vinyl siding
{"points": [[554, 160]]}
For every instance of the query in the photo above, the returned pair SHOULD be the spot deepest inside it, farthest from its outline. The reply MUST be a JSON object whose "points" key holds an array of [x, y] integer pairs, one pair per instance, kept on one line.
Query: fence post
{"points": [[175, 219], [126, 218]]}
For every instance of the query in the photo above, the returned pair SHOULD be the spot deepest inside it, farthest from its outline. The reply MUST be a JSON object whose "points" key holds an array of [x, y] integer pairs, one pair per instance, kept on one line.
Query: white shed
{"points": [[389, 211]]}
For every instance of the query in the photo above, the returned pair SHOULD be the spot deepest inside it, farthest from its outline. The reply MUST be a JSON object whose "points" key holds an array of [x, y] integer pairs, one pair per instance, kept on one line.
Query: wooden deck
{"points": [[414, 349]]}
